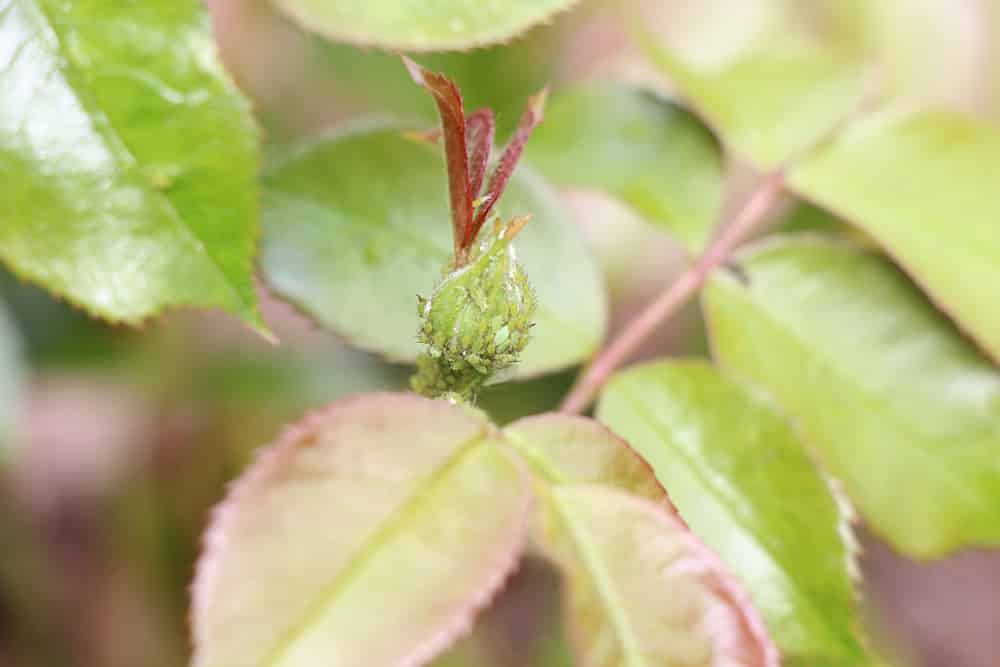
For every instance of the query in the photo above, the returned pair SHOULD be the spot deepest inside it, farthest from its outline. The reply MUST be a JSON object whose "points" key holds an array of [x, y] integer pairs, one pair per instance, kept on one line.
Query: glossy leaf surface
{"points": [[769, 105], [417, 25], [641, 589], [745, 485], [919, 184], [653, 155], [369, 534], [901, 177], [128, 158], [894, 400], [356, 225]]}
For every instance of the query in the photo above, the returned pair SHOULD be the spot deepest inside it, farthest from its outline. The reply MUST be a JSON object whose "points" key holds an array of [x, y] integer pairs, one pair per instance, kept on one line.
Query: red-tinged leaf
{"points": [[531, 117], [480, 127], [641, 589], [449, 104], [578, 450], [370, 534], [731, 463]]}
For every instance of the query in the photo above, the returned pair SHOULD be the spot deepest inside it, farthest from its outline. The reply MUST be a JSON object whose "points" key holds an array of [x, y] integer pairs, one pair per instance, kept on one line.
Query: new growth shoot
{"points": [[477, 320]]}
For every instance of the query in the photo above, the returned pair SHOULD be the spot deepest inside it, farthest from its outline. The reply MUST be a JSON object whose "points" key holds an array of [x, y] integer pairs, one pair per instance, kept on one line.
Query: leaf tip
{"points": [[253, 318], [416, 71], [536, 104], [261, 329], [515, 226]]}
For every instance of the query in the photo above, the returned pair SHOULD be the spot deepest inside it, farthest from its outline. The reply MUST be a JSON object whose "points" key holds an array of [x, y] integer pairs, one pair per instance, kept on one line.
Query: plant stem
{"points": [[676, 295]]}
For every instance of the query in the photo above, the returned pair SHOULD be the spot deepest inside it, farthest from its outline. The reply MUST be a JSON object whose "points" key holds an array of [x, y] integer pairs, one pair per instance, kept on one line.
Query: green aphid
{"points": [[477, 320]]}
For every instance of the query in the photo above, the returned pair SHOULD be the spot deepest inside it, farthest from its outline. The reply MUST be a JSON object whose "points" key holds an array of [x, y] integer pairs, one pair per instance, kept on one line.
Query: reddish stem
{"points": [[589, 384]]}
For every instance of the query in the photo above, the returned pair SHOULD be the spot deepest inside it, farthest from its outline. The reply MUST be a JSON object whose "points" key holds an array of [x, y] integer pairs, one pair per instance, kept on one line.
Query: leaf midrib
{"points": [[389, 528], [730, 509], [950, 479], [605, 588], [553, 479], [71, 79]]}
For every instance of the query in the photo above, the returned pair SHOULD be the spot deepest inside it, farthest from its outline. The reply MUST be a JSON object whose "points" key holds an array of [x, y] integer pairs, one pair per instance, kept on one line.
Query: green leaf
{"points": [[498, 77], [417, 25], [286, 379], [357, 224], [509, 401], [802, 217], [11, 378], [732, 466], [770, 104], [920, 185], [901, 177], [574, 450], [342, 81], [896, 403], [650, 153], [369, 535], [641, 589], [128, 158], [931, 54]]}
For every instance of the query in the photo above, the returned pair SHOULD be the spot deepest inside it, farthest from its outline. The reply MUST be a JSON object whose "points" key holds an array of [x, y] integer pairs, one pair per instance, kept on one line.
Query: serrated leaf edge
{"points": [[306, 23], [215, 539], [665, 511], [249, 312]]}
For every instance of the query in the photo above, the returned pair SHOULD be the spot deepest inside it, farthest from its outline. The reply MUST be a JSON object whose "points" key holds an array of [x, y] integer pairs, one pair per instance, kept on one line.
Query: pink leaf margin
{"points": [[726, 587], [215, 539], [748, 636], [751, 630]]}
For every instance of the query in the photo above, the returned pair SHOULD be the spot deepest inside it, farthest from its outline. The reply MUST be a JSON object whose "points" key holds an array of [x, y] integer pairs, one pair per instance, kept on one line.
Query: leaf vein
{"points": [[383, 534]]}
